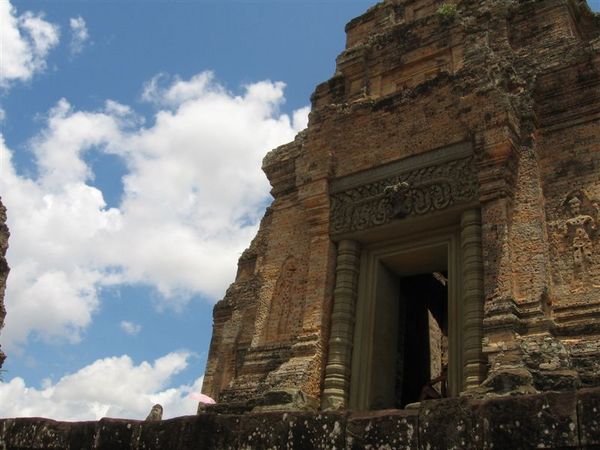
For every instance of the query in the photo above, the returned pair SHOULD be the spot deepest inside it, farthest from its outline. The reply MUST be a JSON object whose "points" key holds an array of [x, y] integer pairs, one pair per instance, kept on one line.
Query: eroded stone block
{"points": [[117, 434], [34, 433], [265, 430], [318, 431], [396, 430], [449, 424], [541, 421], [81, 435], [588, 409], [160, 434], [210, 431]]}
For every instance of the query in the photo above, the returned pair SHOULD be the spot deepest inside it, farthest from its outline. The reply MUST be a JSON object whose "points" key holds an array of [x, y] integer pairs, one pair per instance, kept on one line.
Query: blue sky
{"points": [[132, 134]]}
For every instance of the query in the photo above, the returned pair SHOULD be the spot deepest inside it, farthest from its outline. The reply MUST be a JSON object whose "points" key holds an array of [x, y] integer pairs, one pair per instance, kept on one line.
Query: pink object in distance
{"points": [[202, 398]]}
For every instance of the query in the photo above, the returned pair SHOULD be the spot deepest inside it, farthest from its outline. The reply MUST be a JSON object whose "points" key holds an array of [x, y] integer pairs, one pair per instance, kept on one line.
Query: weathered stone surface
{"points": [[394, 429], [157, 434], [322, 431], [81, 435], [261, 431], [205, 431], [4, 234], [117, 434], [542, 421], [508, 381], [286, 400], [588, 412], [449, 424], [552, 421], [43, 433]]}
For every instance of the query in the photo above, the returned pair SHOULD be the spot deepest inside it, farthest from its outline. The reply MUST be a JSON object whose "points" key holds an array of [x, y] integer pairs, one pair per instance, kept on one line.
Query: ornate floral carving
{"points": [[415, 192]]}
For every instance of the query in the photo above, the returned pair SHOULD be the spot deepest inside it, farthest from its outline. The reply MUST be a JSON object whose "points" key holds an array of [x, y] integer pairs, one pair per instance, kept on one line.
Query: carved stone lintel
{"points": [[416, 192]]}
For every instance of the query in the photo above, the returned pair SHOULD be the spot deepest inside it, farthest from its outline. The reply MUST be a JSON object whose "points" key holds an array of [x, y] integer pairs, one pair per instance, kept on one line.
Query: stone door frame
{"points": [[346, 377], [371, 257]]}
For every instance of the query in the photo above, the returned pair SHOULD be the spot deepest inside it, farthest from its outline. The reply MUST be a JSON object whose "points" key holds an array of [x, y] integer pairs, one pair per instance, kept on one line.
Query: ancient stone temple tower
{"points": [[441, 210]]}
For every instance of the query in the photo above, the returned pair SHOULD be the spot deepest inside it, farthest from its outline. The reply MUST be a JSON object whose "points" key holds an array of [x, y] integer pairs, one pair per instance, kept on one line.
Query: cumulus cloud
{"points": [[193, 195], [300, 118], [109, 387], [163, 91], [26, 41], [79, 35], [130, 328]]}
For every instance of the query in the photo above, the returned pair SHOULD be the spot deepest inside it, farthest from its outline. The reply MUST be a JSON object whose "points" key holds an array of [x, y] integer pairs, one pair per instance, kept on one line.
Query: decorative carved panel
{"points": [[412, 192], [575, 241], [285, 314]]}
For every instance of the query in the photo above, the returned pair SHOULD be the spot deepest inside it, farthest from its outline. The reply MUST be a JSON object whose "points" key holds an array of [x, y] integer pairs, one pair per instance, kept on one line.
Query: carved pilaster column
{"points": [[472, 280], [337, 372], [498, 152]]}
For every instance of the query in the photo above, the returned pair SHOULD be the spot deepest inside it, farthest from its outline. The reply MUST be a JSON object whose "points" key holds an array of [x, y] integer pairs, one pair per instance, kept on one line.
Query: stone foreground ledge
{"points": [[553, 421]]}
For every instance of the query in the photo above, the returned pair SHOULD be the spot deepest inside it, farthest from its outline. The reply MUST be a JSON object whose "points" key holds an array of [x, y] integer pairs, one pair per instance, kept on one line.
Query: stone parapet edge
{"points": [[549, 420]]}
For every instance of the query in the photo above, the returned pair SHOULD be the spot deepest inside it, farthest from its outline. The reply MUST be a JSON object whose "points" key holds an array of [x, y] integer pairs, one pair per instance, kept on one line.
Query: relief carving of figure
{"points": [[397, 195], [285, 311], [580, 228]]}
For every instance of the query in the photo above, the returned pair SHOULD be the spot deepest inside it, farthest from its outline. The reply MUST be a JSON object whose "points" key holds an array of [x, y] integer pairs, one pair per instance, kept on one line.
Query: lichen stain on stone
{"points": [[410, 432]]}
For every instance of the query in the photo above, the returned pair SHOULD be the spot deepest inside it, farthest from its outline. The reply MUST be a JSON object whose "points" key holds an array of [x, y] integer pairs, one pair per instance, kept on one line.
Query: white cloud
{"points": [[193, 195], [109, 387], [164, 92], [300, 118], [130, 328], [2, 115], [79, 35], [26, 42]]}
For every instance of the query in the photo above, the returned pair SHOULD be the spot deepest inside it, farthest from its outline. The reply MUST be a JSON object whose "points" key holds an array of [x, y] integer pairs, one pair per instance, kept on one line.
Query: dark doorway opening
{"points": [[406, 329], [422, 341]]}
